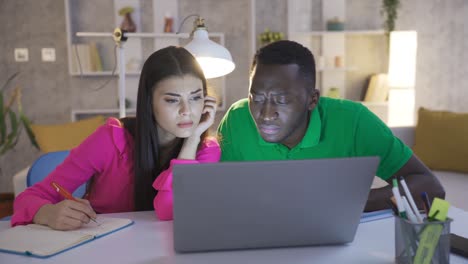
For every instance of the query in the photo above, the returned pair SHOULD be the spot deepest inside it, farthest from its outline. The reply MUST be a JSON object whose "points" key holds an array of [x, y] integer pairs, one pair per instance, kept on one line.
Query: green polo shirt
{"points": [[337, 128]]}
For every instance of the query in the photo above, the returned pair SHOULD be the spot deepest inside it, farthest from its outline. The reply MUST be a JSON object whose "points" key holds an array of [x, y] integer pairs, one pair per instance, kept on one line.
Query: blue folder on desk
{"points": [[376, 215], [43, 242]]}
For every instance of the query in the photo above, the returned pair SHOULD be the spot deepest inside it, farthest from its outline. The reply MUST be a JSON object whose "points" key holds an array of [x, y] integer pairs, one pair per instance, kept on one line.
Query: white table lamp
{"points": [[214, 59]]}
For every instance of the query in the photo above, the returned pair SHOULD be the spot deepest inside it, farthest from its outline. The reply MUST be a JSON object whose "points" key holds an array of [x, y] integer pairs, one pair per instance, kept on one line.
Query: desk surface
{"points": [[150, 241]]}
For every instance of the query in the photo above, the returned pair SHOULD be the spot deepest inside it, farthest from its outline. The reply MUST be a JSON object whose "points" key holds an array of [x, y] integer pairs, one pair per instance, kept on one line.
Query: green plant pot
{"points": [[335, 26]]}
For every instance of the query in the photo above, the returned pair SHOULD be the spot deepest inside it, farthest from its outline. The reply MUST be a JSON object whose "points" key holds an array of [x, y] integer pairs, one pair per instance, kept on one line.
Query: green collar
{"points": [[311, 137]]}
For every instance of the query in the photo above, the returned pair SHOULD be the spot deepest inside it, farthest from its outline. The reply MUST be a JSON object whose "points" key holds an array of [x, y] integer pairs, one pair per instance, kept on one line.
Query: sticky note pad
{"points": [[439, 209]]}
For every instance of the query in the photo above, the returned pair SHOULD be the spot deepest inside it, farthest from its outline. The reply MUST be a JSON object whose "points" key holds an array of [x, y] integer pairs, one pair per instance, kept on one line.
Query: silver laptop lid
{"points": [[239, 205]]}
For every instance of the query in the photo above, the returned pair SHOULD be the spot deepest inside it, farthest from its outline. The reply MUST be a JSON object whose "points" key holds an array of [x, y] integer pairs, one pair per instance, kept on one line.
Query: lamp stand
{"points": [[121, 59]]}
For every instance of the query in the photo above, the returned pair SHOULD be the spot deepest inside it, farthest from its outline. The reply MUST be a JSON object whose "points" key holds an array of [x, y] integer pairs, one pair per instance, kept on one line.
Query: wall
{"points": [[49, 93], [442, 71], [367, 53], [271, 14], [46, 91]]}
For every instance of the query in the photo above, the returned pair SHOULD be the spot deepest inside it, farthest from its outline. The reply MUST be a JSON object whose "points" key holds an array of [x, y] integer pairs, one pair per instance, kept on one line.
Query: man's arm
{"points": [[418, 178]]}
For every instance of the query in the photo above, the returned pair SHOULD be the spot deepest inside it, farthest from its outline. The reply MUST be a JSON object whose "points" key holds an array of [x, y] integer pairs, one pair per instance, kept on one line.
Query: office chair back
{"points": [[45, 164]]}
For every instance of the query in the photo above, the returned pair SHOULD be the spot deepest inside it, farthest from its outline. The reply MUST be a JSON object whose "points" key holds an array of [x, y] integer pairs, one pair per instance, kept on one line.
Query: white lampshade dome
{"points": [[214, 59]]}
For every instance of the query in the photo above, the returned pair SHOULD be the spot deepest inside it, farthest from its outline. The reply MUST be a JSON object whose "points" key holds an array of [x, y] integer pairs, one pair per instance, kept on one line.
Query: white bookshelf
{"points": [[133, 47], [345, 32], [327, 45]]}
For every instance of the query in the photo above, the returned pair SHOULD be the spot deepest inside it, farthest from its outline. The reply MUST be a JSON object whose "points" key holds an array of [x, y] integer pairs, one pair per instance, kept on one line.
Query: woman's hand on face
{"points": [[65, 215], [208, 115], [189, 148]]}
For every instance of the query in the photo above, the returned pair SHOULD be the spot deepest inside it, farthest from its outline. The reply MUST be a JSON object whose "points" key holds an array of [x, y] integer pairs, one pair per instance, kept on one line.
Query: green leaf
{"points": [[389, 10], [9, 80], [12, 121], [2, 120], [12, 138], [13, 126], [11, 143], [27, 125]]}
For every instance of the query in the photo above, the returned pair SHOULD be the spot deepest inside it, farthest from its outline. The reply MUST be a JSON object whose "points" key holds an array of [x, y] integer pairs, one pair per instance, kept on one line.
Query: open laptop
{"points": [[244, 205]]}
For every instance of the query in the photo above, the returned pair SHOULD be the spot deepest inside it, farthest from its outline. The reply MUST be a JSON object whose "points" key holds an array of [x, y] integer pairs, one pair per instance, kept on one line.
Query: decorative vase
{"points": [[128, 24], [168, 24]]}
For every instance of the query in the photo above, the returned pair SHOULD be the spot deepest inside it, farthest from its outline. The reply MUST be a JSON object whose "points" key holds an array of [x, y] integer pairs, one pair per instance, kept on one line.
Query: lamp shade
{"points": [[402, 61], [214, 59]]}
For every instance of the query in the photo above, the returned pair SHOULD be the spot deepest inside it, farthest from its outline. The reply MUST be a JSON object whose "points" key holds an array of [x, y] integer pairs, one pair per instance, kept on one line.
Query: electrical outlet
{"points": [[48, 54], [21, 54]]}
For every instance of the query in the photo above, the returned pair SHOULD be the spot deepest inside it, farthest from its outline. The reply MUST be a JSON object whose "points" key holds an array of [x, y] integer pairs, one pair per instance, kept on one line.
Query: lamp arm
{"points": [[185, 19], [119, 35]]}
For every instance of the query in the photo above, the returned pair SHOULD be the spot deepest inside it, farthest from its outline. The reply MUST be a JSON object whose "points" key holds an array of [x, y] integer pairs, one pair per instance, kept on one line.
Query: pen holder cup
{"points": [[428, 242]]}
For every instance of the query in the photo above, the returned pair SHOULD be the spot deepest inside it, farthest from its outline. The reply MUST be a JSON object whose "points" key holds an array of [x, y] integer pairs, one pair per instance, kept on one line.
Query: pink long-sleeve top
{"points": [[210, 152], [107, 156]]}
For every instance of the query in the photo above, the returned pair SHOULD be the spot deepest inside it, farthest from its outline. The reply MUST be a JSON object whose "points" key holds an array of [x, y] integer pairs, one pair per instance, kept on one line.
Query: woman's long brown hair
{"points": [[150, 159]]}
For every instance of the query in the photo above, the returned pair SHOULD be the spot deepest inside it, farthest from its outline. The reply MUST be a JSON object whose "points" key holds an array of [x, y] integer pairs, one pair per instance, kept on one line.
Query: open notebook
{"points": [[42, 242]]}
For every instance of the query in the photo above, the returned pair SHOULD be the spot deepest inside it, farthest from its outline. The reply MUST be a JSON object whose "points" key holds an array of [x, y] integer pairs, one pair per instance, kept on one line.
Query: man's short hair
{"points": [[287, 52]]}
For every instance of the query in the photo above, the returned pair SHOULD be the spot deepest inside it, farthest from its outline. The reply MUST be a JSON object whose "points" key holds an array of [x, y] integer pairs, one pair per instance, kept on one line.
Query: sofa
{"points": [[58, 137], [455, 183]]}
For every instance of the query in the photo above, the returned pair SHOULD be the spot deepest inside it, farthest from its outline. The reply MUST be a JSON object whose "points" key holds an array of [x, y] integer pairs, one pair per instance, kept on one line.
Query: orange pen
{"points": [[67, 195]]}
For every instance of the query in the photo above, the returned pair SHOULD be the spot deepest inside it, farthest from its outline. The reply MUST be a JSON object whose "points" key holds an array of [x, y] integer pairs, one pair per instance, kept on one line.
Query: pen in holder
{"points": [[427, 242]]}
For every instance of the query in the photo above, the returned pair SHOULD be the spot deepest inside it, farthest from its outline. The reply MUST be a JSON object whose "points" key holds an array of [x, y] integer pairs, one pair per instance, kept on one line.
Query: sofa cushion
{"points": [[441, 140], [65, 136]]}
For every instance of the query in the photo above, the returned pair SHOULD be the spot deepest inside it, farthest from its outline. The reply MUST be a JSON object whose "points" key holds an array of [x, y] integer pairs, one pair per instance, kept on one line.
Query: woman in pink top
{"points": [[128, 163]]}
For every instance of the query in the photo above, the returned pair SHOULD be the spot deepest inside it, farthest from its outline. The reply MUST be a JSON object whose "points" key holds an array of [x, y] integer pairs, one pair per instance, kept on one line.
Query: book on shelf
{"points": [[87, 57], [43, 242], [96, 64], [377, 91]]}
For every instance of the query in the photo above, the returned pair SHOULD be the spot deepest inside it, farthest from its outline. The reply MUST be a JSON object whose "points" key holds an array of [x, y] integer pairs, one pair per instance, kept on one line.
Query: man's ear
{"points": [[313, 99]]}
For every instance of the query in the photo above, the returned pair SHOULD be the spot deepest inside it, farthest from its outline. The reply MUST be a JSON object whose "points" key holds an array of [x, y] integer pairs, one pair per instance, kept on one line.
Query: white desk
{"points": [[150, 241]]}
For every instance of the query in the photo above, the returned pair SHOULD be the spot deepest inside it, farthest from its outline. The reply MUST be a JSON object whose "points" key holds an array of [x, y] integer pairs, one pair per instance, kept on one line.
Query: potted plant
{"points": [[127, 23], [12, 121], [389, 10], [267, 37]]}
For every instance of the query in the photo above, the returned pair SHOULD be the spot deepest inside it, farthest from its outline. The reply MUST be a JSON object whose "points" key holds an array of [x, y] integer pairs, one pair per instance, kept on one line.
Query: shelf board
{"points": [[145, 34], [103, 73], [339, 69], [101, 111], [345, 32], [382, 104]]}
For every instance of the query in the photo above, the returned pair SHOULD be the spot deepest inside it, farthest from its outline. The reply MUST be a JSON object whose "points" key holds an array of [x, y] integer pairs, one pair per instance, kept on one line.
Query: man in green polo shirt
{"points": [[284, 117]]}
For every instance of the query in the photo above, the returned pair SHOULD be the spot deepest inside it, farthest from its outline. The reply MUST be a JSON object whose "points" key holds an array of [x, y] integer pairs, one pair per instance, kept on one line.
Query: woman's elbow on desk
{"points": [[163, 205]]}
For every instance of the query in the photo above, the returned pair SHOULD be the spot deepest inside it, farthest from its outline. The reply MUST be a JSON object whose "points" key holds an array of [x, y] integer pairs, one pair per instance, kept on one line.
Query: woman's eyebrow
{"points": [[178, 95], [172, 94], [196, 91]]}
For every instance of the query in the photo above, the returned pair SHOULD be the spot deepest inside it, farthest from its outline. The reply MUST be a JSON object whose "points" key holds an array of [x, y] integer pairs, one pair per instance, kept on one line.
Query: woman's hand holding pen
{"points": [[65, 215]]}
